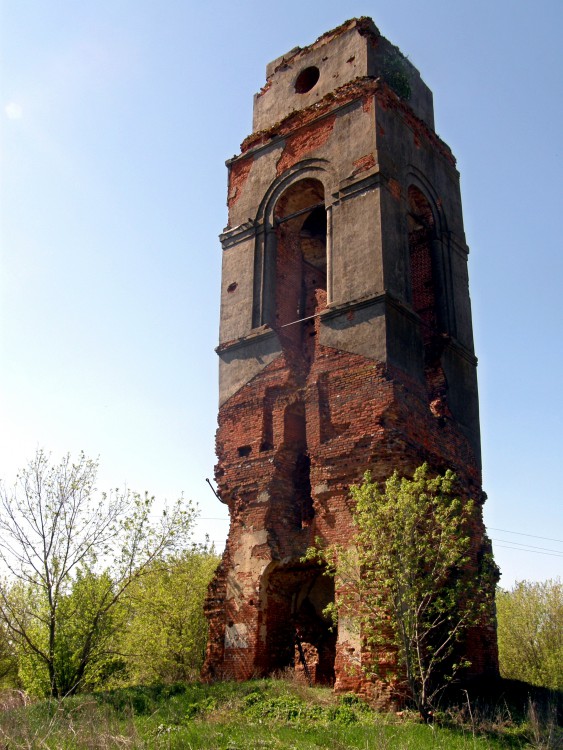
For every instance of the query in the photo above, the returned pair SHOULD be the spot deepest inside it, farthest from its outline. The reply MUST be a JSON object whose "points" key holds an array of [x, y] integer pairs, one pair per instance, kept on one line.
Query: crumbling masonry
{"points": [[345, 343]]}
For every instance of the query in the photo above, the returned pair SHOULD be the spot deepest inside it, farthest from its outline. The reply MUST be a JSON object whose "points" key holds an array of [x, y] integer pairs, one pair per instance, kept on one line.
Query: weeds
{"points": [[543, 732], [258, 715]]}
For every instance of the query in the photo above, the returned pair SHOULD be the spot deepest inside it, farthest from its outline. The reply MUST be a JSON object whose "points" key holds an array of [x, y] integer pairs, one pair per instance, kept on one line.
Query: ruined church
{"points": [[345, 342]]}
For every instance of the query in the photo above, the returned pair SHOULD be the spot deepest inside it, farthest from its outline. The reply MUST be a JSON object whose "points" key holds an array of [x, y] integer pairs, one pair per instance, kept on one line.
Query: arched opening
{"points": [[301, 270], [298, 462], [423, 275], [299, 635], [421, 233]]}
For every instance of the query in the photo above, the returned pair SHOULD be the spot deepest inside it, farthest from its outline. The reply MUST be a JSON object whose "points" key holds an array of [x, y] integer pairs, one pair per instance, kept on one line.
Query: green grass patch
{"points": [[258, 714]]}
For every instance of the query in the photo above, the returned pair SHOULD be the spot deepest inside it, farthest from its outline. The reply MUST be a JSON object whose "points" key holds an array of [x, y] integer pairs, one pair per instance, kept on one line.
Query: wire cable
{"points": [[519, 549], [531, 546], [521, 533]]}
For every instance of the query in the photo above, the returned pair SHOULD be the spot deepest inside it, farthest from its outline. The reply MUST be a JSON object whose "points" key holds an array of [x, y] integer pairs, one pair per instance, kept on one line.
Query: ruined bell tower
{"points": [[345, 342]]}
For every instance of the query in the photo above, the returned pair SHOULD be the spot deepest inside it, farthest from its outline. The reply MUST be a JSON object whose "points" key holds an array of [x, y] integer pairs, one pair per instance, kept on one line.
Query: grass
{"points": [[259, 714]]}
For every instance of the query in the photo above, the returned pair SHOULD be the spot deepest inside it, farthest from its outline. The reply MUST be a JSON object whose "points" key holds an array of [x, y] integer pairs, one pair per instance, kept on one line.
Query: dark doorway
{"points": [[296, 623]]}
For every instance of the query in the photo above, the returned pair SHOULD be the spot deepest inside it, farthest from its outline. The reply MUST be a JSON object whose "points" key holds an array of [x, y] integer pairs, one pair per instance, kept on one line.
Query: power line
{"points": [[521, 533], [205, 518], [535, 552], [531, 546], [492, 528], [499, 543]]}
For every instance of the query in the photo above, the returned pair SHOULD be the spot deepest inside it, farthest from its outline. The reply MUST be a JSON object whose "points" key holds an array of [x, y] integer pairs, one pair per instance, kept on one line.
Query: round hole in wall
{"points": [[307, 79]]}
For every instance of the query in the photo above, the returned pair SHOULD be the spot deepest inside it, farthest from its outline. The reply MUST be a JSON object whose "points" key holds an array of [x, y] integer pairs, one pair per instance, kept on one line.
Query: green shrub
{"points": [[530, 636]]}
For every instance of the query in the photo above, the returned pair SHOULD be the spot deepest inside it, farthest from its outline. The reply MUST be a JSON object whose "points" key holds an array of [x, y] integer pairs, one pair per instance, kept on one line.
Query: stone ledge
{"points": [[257, 334]]}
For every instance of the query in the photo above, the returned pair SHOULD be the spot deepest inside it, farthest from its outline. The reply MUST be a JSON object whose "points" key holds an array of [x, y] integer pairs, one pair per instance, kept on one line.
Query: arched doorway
{"points": [[299, 632]]}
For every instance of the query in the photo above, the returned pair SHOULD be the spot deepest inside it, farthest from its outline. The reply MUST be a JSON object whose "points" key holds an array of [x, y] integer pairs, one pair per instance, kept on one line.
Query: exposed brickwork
{"points": [[359, 415], [395, 189], [367, 103], [365, 90], [364, 163], [309, 420], [238, 175], [304, 141]]}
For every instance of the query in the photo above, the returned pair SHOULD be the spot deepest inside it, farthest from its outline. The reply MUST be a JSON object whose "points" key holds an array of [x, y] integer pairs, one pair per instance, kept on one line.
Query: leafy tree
{"points": [[72, 554], [8, 659], [76, 612], [412, 580], [166, 633], [530, 632]]}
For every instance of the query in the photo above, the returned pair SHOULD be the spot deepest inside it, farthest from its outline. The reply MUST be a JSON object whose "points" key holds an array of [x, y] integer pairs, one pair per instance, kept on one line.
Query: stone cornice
{"points": [[256, 335], [244, 231]]}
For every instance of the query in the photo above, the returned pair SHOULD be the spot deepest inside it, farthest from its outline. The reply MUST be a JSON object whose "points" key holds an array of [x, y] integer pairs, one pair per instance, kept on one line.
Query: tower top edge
{"points": [[355, 49], [364, 25]]}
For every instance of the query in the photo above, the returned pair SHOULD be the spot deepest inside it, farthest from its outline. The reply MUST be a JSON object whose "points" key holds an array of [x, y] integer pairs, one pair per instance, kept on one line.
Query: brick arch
{"points": [[414, 178], [278, 201], [426, 296], [421, 234], [298, 270], [318, 169], [297, 634]]}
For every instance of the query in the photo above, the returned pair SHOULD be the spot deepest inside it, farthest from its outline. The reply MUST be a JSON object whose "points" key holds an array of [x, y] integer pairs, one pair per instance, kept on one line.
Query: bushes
{"points": [[156, 633], [70, 556], [165, 636], [530, 633], [409, 583]]}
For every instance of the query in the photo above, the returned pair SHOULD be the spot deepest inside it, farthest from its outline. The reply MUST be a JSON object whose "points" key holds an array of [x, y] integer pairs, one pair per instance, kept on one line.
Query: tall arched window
{"points": [[421, 234], [301, 268], [424, 296]]}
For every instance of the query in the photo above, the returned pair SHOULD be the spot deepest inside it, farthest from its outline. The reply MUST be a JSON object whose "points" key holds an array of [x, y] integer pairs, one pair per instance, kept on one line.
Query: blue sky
{"points": [[116, 119]]}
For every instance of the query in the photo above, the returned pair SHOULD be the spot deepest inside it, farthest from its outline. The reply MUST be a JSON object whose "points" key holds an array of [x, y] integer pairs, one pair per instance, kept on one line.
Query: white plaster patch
{"points": [[236, 635], [243, 555], [349, 631], [321, 489]]}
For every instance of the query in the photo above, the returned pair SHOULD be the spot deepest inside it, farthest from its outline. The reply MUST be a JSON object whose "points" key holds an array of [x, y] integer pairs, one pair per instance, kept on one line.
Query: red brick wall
{"points": [[292, 440], [359, 415]]}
